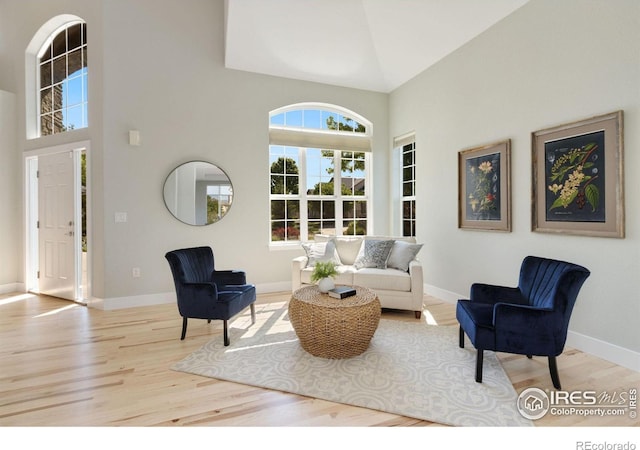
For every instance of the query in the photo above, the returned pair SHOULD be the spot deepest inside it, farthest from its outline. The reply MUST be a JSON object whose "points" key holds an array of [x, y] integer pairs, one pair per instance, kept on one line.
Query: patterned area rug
{"points": [[410, 369]]}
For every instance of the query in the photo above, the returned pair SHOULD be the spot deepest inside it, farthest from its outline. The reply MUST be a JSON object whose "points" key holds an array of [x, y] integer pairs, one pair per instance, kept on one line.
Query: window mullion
{"points": [[367, 192], [337, 192], [302, 194]]}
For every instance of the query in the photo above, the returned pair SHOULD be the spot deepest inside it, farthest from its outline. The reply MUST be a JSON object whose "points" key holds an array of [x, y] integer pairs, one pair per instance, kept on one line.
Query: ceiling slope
{"points": [[374, 45]]}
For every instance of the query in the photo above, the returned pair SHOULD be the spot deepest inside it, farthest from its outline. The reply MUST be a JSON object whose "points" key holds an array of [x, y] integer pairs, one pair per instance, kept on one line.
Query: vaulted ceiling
{"points": [[374, 45]]}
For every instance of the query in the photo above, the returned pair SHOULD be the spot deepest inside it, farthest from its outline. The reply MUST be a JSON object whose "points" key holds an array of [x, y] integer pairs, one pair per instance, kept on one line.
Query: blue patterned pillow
{"points": [[374, 254]]}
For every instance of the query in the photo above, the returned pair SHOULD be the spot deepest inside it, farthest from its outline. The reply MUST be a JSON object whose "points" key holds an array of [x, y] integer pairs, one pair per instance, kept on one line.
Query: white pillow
{"points": [[348, 248], [402, 253], [320, 251], [373, 253]]}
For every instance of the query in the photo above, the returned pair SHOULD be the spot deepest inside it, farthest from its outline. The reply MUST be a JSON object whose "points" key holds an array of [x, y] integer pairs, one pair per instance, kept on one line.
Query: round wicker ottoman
{"points": [[332, 328]]}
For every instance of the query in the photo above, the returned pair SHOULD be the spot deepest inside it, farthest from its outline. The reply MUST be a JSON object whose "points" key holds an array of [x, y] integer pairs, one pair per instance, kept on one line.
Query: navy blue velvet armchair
{"points": [[205, 293], [531, 319]]}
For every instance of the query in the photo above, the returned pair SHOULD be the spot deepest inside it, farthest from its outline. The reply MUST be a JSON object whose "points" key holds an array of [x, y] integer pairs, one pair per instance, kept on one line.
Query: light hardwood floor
{"points": [[67, 365]]}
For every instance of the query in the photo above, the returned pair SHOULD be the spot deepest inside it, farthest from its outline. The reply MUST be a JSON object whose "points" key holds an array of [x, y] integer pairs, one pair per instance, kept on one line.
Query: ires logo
{"points": [[534, 403], [584, 398]]}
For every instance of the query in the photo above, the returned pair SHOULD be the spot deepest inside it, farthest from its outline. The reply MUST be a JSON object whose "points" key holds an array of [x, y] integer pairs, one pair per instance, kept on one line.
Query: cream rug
{"points": [[410, 369]]}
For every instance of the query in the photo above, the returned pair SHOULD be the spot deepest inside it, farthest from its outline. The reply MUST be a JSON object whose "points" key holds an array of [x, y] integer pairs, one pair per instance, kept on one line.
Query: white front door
{"points": [[57, 265]]}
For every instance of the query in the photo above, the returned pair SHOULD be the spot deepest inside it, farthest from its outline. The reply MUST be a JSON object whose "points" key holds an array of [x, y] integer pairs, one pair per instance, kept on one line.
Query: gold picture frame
{"points": [[577, 178], [484, 187]]}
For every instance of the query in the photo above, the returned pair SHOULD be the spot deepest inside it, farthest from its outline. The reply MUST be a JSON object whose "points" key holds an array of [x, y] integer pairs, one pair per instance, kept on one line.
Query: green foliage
{"points": [[212, 210], [282, 184], [592, 193], [323, 270], [83, 178], [356, 228], [347, 124]]}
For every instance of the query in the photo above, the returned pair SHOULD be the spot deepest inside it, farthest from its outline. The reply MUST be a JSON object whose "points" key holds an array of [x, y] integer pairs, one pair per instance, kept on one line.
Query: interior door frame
{"points": [[31, 250]]}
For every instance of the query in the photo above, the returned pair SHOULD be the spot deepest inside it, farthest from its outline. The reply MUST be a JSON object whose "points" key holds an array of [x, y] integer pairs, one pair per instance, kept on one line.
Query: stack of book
{"points": [[341, 292]]}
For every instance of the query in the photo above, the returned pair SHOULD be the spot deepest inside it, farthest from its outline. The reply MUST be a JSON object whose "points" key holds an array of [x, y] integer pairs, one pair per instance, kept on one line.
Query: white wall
{"points": [[548, 63], [170, 83], [10, 219]]}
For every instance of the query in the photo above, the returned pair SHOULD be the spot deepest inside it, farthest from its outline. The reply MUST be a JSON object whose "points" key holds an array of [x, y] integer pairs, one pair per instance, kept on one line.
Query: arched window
{"points": [[319, 157], [61, 79]]}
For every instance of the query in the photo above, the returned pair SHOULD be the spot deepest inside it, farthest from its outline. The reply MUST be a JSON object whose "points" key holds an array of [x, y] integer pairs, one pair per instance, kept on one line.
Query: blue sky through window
{"points": [[314, 119], [74, 100]]}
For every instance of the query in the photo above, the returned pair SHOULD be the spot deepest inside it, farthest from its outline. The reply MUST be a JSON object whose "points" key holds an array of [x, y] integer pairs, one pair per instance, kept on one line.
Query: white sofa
{"points": [[396, 288]]}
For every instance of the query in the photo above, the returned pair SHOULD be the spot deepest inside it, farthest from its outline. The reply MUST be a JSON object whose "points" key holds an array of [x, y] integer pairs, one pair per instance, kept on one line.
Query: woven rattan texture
{"points": [[332, 328]]}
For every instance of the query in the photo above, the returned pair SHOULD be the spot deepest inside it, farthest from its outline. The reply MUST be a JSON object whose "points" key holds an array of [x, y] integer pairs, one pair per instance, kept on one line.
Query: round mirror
{"points": [[198, 193]]}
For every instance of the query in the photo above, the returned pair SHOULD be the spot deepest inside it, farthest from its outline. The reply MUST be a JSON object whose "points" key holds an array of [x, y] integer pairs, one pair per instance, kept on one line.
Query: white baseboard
{"points": [[11, 287], [601, 349], [610, 352], [267, 288], [442, 294], [108, 304]]}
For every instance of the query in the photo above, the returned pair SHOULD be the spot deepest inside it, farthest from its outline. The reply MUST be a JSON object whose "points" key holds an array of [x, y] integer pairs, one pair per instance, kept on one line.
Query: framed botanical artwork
{"points": [[484, 187], [577, 178]]}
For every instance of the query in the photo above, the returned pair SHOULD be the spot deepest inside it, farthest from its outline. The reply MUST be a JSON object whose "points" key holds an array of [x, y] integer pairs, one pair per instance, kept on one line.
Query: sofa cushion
{"points": [[320, 251], [402, 253], [373, 253], [385, 279]]}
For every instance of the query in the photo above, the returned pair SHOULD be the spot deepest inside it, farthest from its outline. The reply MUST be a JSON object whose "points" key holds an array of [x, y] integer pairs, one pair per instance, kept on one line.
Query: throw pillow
{"points": [[402, 253], [373, 254], [348, 248], [320, 251]]}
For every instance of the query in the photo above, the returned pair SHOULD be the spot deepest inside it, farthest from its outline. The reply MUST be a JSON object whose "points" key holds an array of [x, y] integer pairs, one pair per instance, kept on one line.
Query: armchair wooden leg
{"points": [[479, 365], [253, 313], [553, 370], [184, 328], [226, 333], [418, 314], [461, 338]]}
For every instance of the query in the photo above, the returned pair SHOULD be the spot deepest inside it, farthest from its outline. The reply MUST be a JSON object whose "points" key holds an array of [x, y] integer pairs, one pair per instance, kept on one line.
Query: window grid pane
{"points": [[408, 190], [284, 170], [285, 225], [324, 191], [317, 119], [63, 75]]}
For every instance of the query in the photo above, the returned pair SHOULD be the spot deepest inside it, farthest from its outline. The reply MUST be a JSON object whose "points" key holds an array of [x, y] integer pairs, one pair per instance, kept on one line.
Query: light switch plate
{"points": [[121, 217]]}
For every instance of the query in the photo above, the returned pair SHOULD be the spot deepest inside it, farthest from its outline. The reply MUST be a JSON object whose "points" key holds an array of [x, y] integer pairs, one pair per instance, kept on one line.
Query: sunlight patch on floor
{"points": [[428, 317], [16, 298], [58, 310]]}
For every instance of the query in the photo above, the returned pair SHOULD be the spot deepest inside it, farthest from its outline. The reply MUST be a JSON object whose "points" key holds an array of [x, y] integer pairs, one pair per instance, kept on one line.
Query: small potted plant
{"points": [[323, 273]]}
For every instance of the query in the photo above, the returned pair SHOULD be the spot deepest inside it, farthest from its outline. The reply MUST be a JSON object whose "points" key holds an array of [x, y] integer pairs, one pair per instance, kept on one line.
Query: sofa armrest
{"points": [[297, 264], [417, 280]]}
